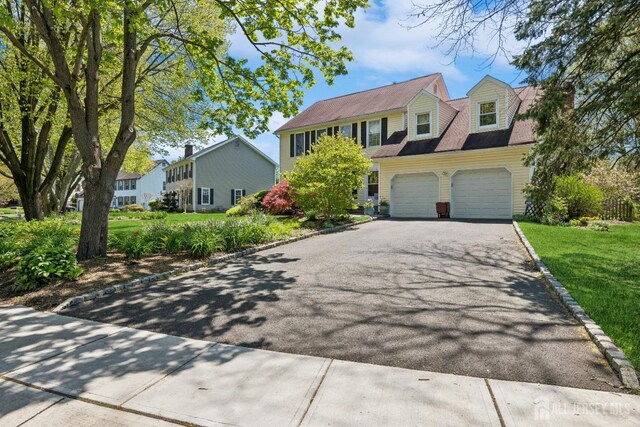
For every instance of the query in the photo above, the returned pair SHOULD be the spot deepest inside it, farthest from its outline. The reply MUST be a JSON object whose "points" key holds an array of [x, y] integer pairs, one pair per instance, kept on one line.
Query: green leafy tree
{"points": [[35, 138], [584, 55], [324, 179], [102, 53]]}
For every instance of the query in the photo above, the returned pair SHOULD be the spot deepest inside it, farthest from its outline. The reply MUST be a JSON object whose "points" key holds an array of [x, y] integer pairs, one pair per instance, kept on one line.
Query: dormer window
{"points": [[423, 124], [487, 114]]}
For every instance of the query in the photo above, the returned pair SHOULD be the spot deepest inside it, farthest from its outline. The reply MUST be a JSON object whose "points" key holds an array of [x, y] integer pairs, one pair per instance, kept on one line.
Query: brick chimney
{"points": [[188, 150]]}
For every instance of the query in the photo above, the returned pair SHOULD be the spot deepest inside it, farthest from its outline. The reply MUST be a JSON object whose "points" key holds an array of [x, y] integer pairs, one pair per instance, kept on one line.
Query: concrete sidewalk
{"points": [[58, 370]]}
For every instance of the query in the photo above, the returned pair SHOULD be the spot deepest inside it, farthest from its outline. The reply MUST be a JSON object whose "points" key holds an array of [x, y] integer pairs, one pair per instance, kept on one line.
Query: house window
{"points": [[133, 184], [120, 201], [205, 196], [237, 195], [423, 124], [372, 184], [346, 130], [126, 184], [488, 115], [120, 185], [164, 185], [126, 200], [321, 132], [133, 199], [191, 171], [299, 144], [373, 133]]}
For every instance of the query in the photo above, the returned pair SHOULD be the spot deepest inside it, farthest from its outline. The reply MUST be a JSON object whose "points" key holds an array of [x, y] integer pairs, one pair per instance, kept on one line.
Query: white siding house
{"points": [[131, 188]]}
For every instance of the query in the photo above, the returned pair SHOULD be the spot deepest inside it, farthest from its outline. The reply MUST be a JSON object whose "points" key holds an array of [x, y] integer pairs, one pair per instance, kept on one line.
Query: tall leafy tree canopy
{"points": [[105, 54], [584, 54]]}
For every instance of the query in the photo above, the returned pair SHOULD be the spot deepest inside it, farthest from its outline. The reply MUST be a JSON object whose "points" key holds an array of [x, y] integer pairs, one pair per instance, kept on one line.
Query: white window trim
{"points": [[495, 125], [379, 132], [366, 187], [202, 191], [236, 199], [430, 123]]}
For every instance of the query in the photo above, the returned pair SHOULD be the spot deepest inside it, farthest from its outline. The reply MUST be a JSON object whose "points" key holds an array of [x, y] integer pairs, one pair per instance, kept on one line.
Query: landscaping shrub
{"points": [[598, 226], [153, 215], [555, 211], [155, 205], [279, 199], [133, 246], [234, 211], [46, 264], [259, 196], [205, 243], [245, 206], [41, 251], [241, 233], [325, 178], [582, 199], [133, 208]]}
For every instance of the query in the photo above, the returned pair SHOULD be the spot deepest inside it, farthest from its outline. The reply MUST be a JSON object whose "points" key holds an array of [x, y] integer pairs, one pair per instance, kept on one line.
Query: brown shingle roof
{"points": [[456, 137], [386, 98]]}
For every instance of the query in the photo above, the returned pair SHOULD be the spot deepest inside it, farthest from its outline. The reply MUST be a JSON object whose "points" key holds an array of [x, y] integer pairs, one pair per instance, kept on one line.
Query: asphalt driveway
{"points": [[454, 297]]}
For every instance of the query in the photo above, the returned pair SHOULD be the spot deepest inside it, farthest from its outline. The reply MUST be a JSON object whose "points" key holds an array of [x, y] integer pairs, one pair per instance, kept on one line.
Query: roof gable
{"points": [[456, 136], [386, 98], [485, 79], [214, 147]]}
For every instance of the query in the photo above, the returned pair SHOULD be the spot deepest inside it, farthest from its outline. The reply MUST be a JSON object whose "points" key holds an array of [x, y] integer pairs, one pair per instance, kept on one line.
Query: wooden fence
{"points": [[617, 209], [612, 209]]}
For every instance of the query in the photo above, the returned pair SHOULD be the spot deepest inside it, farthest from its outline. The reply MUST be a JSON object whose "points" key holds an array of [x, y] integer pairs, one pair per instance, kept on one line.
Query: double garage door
{"points": [[478, 193]]}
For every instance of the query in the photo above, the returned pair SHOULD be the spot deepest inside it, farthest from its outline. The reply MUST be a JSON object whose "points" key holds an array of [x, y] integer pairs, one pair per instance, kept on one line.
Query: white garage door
{"points": [[481, 193], [414, 195]]}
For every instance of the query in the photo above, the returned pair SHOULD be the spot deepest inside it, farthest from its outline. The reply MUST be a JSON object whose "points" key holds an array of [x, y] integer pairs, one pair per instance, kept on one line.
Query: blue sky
{"points": [[385, 51]]}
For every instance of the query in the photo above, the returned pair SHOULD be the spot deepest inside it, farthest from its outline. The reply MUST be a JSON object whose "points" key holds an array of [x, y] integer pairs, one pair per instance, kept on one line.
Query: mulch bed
{"points": [[98, 274]]}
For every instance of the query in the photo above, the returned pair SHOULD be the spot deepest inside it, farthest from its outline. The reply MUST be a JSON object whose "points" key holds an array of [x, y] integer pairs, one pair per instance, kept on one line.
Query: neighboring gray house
{"points": [[218, 176]]}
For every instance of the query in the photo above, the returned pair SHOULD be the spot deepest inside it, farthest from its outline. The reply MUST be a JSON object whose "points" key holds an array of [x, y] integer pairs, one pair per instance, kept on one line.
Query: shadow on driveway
{"points": [[454, 297]]}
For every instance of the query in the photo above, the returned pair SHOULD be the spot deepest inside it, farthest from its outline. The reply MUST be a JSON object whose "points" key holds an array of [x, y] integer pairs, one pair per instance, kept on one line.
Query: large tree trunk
{"points": [[95, 218], [32, 202]]}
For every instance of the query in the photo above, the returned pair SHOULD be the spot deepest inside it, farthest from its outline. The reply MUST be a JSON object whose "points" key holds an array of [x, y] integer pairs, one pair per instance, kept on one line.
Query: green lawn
{"points": [[118, 226], [601, 270]]}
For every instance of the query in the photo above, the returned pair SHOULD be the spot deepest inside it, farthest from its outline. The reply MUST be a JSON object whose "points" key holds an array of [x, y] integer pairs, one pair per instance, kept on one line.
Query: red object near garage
{"points": [[442, 209]]}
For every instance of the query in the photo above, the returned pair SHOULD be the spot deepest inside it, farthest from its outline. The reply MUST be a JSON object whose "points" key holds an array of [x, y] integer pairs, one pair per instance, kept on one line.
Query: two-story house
{"points": [[132, 188], [428, 148], [216, 177]]}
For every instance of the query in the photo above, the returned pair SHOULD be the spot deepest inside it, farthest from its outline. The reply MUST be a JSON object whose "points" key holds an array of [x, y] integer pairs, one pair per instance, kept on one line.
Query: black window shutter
{"points": [[199, 195], [383, 137], [244, 193], [363, 134], [329, 131], [354, 131], [232, 198], [307, 141], [211, 196], [313, 137], [335, 130], [292, 145]]}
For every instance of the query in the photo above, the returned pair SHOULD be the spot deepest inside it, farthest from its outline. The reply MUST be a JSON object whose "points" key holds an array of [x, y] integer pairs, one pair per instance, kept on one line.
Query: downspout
{"points": [[194, 189]]}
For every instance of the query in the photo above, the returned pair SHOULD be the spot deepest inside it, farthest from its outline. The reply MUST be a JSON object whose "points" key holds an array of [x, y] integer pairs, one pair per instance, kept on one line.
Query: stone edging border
{"points": [[73, 301], [612, 353]]}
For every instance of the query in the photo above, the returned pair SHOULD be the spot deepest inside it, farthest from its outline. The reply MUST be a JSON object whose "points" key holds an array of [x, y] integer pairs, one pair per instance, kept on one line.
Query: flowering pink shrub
{"points": [[278, 199]]}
